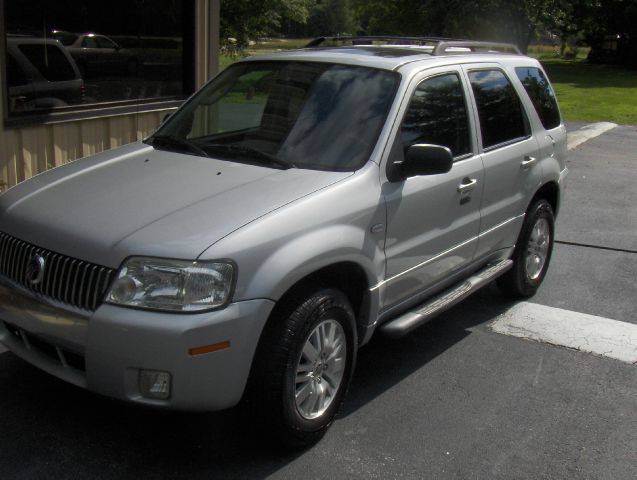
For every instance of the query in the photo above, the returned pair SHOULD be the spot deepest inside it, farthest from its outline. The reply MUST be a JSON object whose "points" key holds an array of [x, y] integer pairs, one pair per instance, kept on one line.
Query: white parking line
{"points": [[580, 331], [587, 132]]}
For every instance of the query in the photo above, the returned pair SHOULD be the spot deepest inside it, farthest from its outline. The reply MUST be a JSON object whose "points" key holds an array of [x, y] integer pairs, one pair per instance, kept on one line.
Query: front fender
{"points": [[304, 255], [341, 223]]}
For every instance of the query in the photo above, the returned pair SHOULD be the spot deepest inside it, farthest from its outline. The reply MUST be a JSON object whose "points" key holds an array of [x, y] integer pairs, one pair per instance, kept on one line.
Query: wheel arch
{"points": [[347, 276], [550, 192]]}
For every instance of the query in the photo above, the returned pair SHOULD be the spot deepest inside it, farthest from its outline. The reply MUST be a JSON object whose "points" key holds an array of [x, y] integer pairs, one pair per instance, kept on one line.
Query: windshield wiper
{"points": [[179, 142], [244, 150]]}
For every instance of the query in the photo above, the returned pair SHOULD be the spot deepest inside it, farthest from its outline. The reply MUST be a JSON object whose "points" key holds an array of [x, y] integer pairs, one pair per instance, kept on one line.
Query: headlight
{"points": [[172, 285]]}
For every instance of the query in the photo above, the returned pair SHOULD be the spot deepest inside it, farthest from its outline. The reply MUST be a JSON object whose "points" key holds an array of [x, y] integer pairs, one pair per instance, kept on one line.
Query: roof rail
{"points": [[473, 46], [441, 45], [367, 40]]}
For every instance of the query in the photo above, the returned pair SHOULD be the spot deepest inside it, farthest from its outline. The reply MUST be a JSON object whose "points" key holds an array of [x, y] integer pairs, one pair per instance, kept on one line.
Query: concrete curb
{"points": [[588, 132]]}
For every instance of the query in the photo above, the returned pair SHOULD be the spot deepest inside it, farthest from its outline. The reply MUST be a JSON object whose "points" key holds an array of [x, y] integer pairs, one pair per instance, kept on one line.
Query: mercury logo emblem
{"points": [[35, 269]]}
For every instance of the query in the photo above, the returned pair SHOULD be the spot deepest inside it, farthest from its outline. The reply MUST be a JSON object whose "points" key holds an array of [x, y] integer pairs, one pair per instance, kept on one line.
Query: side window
{"points": [[437, 115], [104, 42], [541, 94], [502, 117], [15, 74], [89, 42], [50, 61]]}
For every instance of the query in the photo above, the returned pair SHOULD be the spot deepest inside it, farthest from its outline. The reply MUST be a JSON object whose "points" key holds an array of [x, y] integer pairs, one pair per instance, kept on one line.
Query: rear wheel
{"points": [[303, 366], [532, 252]]}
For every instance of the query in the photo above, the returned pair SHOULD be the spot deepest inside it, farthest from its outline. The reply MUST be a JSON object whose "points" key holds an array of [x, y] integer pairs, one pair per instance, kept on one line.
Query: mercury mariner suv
{"points": [[298, 203]]}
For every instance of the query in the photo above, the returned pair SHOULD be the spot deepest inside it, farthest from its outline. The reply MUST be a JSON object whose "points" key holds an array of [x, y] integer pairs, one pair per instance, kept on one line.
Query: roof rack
{"points": [[441, 46]]}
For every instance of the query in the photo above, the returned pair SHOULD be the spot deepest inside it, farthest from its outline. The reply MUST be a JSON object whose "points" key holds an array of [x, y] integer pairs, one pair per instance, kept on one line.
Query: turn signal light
{"points": [[215, 347]]}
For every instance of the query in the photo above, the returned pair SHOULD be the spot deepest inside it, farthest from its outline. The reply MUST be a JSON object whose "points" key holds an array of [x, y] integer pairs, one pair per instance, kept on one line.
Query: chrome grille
{"points": [[66, 279]]}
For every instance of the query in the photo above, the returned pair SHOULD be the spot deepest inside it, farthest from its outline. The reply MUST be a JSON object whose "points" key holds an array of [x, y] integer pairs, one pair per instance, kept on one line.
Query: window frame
{"points": [[419, 80], [104, 109], [525, 116]]}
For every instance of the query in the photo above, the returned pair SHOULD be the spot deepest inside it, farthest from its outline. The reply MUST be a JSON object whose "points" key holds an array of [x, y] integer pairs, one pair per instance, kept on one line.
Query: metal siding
{"points": [[31, 150]]}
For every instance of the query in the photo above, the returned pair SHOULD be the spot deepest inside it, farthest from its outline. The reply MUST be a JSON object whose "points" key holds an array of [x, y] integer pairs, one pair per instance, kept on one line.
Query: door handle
{"points": [[528, 162], [467, 185]]}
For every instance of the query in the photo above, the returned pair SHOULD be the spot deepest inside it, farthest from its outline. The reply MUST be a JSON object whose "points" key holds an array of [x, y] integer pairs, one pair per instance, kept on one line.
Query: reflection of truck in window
{"points": [[98, 54], [41, 75]]}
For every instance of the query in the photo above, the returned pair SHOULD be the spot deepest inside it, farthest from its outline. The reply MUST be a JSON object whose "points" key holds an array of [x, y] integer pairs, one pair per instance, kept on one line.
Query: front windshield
{"points": [[285, 114]]}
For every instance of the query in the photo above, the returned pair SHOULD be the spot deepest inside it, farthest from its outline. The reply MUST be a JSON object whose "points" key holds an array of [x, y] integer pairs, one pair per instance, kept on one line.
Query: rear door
{"points": [[433, 221], [510, 156]]}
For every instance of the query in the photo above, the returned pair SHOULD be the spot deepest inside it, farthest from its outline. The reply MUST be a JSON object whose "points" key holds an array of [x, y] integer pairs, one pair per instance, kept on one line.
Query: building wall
{"points": [[27, 151]]}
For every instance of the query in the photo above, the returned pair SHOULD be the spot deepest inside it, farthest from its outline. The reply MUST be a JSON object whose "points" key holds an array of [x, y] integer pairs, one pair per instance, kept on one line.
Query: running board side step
{"points": [[427, 311]]}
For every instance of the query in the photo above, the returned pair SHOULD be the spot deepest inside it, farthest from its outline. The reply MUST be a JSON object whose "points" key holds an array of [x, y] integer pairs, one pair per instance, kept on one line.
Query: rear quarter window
{"points": [[49, 61], [15, 74], [541, 94]]}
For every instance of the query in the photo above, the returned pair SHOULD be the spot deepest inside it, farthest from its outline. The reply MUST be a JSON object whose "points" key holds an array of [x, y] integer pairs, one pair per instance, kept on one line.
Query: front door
{"points": [[433, 221]]}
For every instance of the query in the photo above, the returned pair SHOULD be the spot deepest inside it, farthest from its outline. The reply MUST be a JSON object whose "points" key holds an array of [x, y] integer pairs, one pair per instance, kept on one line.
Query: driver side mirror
{"points": [[425, 159]]}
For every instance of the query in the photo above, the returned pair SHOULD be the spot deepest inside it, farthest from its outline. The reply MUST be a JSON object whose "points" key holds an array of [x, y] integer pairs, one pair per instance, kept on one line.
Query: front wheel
{"points": [[532, 252], [303, 366]]}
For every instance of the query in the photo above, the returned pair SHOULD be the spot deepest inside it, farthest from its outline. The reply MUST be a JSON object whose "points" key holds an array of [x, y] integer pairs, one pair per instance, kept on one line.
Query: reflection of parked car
{"points": [[96, 54], [41, 74]]}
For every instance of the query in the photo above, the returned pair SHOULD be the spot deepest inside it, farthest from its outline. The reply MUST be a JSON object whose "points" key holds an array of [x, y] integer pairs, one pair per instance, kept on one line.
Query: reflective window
{"points": [[541, 94], [79, 52], [437, 115], [502, 117]]}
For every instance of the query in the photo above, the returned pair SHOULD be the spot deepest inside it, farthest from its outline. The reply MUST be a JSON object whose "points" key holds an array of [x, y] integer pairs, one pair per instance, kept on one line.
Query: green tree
{"points": [[331, 17], [246, 19], [505, 20]]}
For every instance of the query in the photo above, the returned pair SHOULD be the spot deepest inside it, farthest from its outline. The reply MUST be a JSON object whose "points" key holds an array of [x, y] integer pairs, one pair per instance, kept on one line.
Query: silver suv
{"points": [[294, 206]]}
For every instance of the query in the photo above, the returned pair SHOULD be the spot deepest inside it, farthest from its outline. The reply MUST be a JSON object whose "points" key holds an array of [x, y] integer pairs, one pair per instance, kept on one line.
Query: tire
{"points": [[299, 412], [532, 253]]}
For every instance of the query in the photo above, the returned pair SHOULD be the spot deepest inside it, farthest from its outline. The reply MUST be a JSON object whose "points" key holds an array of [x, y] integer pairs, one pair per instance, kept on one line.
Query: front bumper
{"points": [[104, 351]]}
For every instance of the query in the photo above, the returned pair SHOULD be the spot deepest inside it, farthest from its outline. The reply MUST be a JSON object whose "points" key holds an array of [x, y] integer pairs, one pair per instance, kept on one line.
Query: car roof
{"points": [[23, 40]]}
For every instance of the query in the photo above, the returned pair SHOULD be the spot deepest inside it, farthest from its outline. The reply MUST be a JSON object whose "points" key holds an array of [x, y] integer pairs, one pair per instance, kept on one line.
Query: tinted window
{"points": [[437, 115], [104, 42], [15, 75], [89, 42], [50, 61], [541, 94], [64, 38], [501, 115]]}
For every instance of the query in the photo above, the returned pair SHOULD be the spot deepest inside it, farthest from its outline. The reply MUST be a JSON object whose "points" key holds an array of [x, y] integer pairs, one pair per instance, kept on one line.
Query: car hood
{"points": [[136, 200]]}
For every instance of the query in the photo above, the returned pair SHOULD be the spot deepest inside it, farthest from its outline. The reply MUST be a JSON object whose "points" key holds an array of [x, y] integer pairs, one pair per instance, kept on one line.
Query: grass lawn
{"points": [[590, 93], [585, 92]]}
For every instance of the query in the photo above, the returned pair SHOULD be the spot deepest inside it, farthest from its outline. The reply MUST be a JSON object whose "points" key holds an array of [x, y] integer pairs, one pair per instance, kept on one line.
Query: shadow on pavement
{"points": [[50, 429], [384, 362]]}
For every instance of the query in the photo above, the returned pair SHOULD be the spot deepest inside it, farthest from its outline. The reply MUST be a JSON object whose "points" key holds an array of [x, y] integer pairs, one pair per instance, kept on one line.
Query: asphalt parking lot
{"points": [[452, 400]]}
